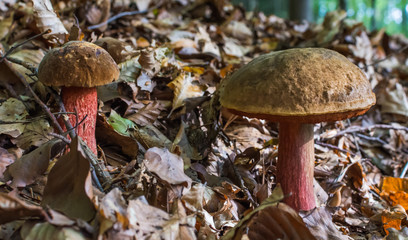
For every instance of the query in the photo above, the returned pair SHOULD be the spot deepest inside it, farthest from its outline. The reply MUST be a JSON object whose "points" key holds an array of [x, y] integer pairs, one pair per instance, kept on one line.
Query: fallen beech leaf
{"points": [[147, 114], [47, 19], [6, 159], [29, 167], [35, 134], [47, 231], [12, 209], [396, 190], [113, 207], [394, 99], [393, 218], [167, 166], [11, 111], [145, 219], [145, 82], [69, 186], [184, 88]]}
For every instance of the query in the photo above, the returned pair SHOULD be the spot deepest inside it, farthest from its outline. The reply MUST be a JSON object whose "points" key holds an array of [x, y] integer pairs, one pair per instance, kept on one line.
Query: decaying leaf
{"points": [[184, 87], [13, 113], [29, 167], [167, 166], [69, 181], [47, 19], [12, 209]]}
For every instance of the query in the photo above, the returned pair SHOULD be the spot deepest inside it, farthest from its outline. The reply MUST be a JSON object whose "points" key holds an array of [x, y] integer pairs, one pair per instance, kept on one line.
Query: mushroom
{"points": [[297, 88], [78, 67]]}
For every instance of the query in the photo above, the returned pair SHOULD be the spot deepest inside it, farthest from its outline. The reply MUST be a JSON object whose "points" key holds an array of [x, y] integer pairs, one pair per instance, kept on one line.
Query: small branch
{"points": [[27, 65], [354, 129], [22, 43], [335, 147], [59, 136]]}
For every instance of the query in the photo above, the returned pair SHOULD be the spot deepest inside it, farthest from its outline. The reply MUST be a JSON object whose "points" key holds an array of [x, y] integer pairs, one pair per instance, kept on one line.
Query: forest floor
{"points": [[173, 164]]}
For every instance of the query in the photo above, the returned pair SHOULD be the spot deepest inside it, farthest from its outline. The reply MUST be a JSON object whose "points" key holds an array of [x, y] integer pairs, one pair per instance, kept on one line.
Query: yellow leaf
{"points": [[184, 88]]}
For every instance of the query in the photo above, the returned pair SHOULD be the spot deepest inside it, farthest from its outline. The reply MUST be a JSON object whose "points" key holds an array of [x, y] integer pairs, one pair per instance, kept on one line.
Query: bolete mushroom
{"points": [[78, 67], [296, 88]]}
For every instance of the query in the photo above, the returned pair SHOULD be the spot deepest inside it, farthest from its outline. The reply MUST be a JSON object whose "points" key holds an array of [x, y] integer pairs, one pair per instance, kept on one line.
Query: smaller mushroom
{"points": [[78, 67], [297, 88]]}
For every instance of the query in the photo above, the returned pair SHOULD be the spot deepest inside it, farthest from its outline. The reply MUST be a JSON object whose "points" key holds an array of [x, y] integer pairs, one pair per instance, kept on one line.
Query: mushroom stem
{"points": [[85, 101], [296, 164]]}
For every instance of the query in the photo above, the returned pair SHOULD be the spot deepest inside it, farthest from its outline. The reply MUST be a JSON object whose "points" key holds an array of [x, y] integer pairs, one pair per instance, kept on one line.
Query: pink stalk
{"points": [[296, 164], [85, 101]]}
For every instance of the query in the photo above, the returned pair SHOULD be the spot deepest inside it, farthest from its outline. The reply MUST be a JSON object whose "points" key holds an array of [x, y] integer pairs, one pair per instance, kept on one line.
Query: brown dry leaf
{"points": [[105, 133], [112, 209], [167, 166], [47, 231], [396, 190], [393, 218], [320, 223], [184, 87], [280, 222], [12, 111], [47, 19], [145, 82], [147, 114], [394, 99], [6, 159], [35, 134], [179, 226], [69, 184], [12, 209], [29, 57], [145, 219], [29, 167], [356, 175], [187, 151]]}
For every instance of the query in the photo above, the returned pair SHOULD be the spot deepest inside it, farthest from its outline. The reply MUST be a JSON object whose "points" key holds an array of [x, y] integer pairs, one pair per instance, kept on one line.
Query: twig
{"points": [[387, 57], [51, 116], [122, 14], [22, 43], [355, 139], [335, 147], [404, 170], [374, 139], [59, 136], [27, 65], [354, 129]]}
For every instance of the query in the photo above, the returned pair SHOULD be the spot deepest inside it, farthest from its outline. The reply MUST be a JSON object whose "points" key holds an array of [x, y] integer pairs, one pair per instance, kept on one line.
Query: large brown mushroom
{"points": [[78, 67], [297, 88]]}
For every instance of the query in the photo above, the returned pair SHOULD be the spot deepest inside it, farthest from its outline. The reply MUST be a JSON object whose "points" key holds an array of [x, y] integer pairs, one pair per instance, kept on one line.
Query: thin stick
{"points": [[122, 14], [22, 43], [369, 128], [335, 147]]}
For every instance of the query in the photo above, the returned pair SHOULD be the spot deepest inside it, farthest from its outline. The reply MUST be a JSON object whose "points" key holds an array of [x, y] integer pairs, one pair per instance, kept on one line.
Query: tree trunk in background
{"points": [[404, 17], [301, 10], [343, 4], [373, 20]]}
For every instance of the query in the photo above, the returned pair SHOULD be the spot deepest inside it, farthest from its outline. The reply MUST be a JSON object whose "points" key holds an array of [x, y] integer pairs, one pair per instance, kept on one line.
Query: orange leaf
{"points": [[396, 190], [390, 222]]}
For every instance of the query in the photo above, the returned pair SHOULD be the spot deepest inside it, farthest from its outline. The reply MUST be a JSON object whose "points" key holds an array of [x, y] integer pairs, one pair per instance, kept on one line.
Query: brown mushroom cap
{"points": [[307, 85], [77, 64]]}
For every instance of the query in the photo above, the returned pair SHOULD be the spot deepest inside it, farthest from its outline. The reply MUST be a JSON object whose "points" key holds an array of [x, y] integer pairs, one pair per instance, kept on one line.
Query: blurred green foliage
{"points": [[375, 14]]}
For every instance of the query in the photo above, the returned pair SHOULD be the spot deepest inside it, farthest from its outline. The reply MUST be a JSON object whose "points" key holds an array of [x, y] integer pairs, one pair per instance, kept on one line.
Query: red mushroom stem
{"points": [[296, 164], [85, 101]]}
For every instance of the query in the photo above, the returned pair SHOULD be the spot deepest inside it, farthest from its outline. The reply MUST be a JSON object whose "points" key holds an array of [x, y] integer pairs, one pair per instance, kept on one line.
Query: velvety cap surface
{"points": [[304, 84], [77, 64]]}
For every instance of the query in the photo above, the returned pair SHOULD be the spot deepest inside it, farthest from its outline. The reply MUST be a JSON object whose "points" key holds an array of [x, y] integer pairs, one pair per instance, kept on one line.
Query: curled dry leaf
{"points": [[12, 209], [6, 159], [47, 19], [184, 88], [167, 166], [29, 167], [69, 187], [12, 111]]}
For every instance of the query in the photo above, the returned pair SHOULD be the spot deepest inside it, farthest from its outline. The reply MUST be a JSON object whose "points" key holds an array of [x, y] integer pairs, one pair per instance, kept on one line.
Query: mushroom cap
{"points": [[77, 64], [305, 85]]}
